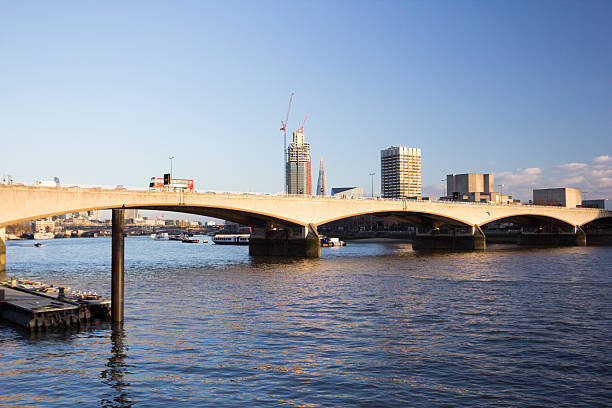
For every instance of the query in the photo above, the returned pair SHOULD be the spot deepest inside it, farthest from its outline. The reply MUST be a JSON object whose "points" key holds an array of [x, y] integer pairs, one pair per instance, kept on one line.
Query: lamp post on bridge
{"points": [[372, 191], [444, 192], [171, 158]]}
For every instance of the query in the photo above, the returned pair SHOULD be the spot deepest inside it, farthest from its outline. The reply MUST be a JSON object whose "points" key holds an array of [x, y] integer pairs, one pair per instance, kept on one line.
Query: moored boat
{"points": [[43, 235], [190, 240], [332, 242], [231, 239]]}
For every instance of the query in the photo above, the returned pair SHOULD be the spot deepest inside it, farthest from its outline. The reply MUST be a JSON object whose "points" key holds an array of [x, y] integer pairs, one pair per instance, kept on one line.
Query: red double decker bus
{"points": [[169, 184]]}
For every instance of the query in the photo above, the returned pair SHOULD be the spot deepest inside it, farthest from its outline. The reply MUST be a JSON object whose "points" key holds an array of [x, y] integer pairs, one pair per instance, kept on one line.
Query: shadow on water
{"points": [[116, 369]]}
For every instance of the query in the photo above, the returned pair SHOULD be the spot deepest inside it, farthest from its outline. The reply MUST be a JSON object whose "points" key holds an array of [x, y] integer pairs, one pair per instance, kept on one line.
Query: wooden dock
{"points": [[38, 311]]}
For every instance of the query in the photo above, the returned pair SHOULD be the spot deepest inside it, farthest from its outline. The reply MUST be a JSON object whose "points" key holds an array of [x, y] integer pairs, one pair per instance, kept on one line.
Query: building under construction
{"points": [[297, 159], [298, 168]]}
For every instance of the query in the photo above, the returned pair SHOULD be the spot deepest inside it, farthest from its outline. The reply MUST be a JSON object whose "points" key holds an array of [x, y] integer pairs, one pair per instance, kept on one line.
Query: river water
{"points": [[370, 324]]}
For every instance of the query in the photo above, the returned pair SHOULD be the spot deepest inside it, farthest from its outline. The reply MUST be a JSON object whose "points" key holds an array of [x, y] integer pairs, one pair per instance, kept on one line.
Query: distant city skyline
{"points": [[103, 94]]}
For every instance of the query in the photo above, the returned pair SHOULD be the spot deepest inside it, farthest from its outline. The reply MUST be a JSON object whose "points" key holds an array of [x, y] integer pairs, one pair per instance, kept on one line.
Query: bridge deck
{"points": [[22, 203]]}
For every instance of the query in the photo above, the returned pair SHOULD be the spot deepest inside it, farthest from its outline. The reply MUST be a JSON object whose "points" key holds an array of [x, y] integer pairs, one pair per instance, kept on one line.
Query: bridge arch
{"points": [[530, 219], [238, 215], [602, 220], [417, 218]]}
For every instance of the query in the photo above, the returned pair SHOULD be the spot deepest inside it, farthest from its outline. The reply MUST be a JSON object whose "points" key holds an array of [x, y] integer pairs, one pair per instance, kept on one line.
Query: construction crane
{"points": [[284, 129], [301, 129]]}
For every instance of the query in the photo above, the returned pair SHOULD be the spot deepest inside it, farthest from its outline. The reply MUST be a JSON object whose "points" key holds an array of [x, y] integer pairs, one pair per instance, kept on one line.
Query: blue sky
{"points": [[103, 92]]}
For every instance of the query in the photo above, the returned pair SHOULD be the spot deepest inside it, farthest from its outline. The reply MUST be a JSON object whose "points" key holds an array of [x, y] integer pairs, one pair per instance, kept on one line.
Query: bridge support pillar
{"points": [[117, 266], [461, 239], [2, 251], [577, 237], [301, 242]]}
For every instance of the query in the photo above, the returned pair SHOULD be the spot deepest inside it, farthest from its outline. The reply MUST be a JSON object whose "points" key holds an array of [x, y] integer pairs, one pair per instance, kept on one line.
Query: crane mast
{"points": [[301, 128], [284, 129]]}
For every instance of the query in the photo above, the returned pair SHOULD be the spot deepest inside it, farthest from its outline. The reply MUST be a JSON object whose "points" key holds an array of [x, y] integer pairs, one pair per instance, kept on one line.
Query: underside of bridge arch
{"points": [[243, 217], [533, 230], [599, 232], [530, 221], [253, 219], [604, 222], [425, 230], [417, 219]]}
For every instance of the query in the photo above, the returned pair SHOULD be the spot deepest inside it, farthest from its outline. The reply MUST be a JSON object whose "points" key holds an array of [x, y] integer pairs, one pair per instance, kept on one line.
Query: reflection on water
{"points": [[116, 369], [370, 324]]}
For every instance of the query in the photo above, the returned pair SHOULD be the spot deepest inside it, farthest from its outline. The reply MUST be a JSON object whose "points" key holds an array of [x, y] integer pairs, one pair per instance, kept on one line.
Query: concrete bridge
{"points": [[287, 225], [277, 219]]}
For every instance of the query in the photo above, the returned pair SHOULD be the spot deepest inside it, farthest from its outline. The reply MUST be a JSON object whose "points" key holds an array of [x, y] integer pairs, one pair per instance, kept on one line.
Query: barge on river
{"points": [[232, 239], [34, 306]]}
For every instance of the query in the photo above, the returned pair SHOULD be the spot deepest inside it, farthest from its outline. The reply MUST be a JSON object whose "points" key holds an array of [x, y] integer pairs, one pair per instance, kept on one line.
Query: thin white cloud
{"points": [[519, 177], [573, 166], [573, 181], [601, 173], [594, 178], [602, 160], [606, 182]]}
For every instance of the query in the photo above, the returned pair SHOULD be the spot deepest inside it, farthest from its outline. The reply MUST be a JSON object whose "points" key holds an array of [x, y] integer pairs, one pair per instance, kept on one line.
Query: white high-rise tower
{"points": [[400, 172]]}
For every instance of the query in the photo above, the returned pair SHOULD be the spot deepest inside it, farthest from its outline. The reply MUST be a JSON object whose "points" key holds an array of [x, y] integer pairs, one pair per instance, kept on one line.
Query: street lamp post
{"points": [[171, 157], [372, 191]]}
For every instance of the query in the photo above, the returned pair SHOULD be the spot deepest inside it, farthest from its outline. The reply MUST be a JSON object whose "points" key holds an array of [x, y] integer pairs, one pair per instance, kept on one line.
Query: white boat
{"points": [[43, 235], [161, 236], [331, 242], [231, 239]]}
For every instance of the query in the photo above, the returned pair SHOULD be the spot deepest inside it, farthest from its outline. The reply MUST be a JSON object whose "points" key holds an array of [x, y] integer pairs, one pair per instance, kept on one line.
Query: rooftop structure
{"points": [[469, 183], [602, 203], [347, 192], [475, 187], [562, 197]]}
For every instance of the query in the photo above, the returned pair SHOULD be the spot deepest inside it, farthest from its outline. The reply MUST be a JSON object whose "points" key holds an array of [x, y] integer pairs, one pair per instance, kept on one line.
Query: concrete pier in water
{"points": [[453, 239], [303, 242]]}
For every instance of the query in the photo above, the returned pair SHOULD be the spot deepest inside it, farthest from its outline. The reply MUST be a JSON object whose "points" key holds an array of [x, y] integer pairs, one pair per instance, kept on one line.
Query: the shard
{"points": [[322, 184]]}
